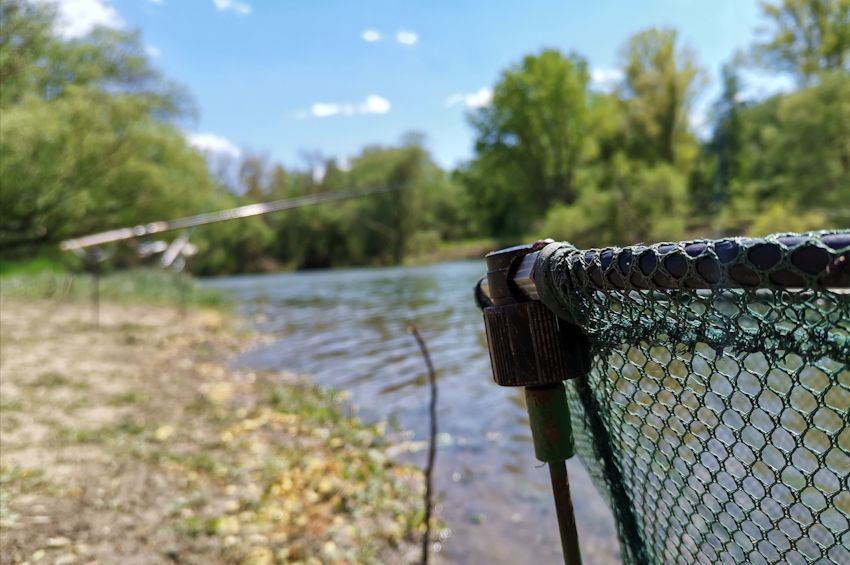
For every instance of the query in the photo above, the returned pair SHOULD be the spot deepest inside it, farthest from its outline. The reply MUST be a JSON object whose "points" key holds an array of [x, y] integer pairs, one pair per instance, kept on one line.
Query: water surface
{"points": [[347, 328]]}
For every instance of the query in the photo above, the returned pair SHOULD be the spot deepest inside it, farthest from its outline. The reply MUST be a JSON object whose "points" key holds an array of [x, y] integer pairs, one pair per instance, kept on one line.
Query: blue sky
{"points": [[280, 77]]}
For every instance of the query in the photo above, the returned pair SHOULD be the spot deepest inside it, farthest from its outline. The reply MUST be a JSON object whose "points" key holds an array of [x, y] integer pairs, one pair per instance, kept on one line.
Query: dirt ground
{"points": [[133, 442]]}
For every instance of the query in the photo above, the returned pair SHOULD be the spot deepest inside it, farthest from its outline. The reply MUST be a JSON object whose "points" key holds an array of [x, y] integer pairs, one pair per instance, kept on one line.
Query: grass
{"points": [[15, 481], [52, 379], [138, 286], [36, 265], [125, 428], [11, 405], [129, 398]]}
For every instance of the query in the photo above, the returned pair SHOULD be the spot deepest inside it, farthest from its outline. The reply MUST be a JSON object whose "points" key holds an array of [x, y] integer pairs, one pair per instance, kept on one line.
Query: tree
{"points": [[390, 219], [530, 140], [727, 139], [34, 62], [25, 36], [91, 160], [805, 37], [796, 155], [253, 178], [632, 202], [279, 185], [661, 80], [87, 141], [805, 153]]}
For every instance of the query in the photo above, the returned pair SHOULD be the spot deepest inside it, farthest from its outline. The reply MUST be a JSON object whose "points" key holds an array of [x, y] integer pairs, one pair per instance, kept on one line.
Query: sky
{"points": [[282, 78]]}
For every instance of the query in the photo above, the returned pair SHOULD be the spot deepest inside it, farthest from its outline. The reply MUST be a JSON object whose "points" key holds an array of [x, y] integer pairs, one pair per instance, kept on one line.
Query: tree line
{"points": [[90, 139]]}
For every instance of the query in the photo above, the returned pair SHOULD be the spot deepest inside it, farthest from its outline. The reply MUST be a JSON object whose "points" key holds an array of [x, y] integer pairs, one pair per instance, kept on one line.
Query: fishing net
{"points": [[715, 418]]}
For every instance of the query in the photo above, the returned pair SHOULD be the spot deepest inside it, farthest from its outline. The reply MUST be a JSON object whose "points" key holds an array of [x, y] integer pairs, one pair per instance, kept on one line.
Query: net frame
{"points": [[715, 419]]}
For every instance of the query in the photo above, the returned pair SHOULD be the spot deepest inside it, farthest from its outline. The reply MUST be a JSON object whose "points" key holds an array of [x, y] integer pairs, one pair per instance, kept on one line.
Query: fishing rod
{"points": [[247, 211]]}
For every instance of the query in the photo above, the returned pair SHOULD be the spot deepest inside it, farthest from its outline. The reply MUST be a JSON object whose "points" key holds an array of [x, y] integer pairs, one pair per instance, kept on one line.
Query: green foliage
{"points": [[34, 62], [530, 140], [806, 149], [36, 265], [424, 205], [661, 80], [89, 142], [642, 175], [726, 144], [805, 37], [624, 208], [795, 157], [90, 160], [25, 35], [85, 142], [784, 217], [233, 247], [600, 167]]}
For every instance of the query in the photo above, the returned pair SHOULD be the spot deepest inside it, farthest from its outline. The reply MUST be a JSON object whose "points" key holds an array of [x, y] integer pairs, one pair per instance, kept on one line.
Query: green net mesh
{"points": [[715, 419]]}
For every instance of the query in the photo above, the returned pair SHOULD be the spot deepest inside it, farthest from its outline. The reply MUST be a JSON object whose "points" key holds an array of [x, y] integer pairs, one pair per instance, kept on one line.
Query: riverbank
{"points": [[52, 274], [133, 442], [445, 251]]}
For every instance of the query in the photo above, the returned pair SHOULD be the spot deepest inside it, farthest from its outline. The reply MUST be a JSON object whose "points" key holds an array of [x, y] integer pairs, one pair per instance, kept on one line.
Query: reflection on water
{"points": [[348, 329]]}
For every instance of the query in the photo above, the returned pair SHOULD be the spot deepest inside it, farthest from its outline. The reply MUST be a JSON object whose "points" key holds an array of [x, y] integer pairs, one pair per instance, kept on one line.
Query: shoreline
{"points": [[135, 442]]}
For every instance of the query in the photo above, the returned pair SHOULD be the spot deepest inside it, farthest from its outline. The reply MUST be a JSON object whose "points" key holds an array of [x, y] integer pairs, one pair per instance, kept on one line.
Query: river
{"points": [[348, 329]]}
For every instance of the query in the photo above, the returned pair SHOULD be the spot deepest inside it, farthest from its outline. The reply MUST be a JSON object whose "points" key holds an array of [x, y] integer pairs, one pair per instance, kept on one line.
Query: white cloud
{"points": [[214, 144], [371, 35], [155, 1], [605, 79], [323, 109], [403, 36], [373, 104], [153, 51], [406, 37], [478, 99], [240, 8], [78, 18]]}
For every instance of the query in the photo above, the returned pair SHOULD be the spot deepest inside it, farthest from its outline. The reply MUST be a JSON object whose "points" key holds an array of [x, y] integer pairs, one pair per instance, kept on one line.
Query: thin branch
{"points": [[432, 442]]}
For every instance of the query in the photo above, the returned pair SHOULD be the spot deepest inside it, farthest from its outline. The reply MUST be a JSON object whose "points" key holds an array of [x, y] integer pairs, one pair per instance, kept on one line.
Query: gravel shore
{"points": [[133, 442]]}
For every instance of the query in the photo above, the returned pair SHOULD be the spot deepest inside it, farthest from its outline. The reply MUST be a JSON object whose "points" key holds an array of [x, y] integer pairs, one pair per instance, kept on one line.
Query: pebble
{"points": [[329, 549], [58, 542], [377, 456], [164, 432], [259, 556], [81, 548]]}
